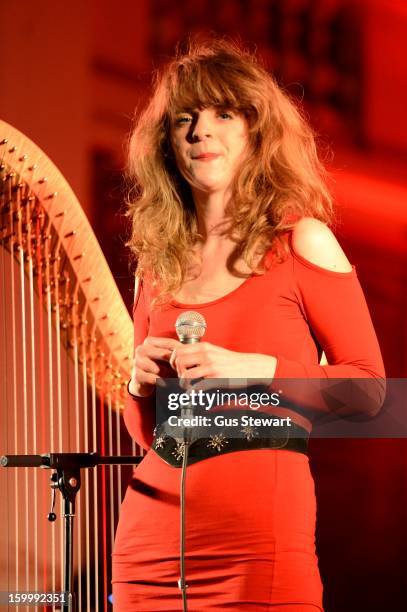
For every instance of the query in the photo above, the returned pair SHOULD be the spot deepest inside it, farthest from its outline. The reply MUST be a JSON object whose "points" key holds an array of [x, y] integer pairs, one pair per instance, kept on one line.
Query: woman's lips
{"points": [[206, 156]]}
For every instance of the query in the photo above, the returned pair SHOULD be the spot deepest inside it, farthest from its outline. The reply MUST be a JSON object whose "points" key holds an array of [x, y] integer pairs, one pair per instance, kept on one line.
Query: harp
{"points": [[66, 347]]}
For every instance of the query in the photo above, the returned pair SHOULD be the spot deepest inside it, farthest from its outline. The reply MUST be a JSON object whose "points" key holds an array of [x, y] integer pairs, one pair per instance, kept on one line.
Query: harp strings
{"points": [[58, 442], [83, 350], [49, 347], [110, 452], [32, 342], [74, 326], [32, 334], [23, 357], [95, 478], [5, 395], [46, 350], [47, 392], [103, 483], [12, 240], [41, 240], [39, 260]]}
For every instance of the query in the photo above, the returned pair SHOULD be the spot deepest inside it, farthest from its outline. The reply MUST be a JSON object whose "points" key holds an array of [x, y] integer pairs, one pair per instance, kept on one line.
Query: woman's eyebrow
{"points": [[179, 111]]}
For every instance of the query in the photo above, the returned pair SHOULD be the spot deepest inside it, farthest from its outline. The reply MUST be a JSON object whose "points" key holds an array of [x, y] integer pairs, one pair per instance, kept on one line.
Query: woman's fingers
{"points": [[159, 348], [188, 357], [145, 364], [145, 369], [188, 361], [165, 343], [173, 358], [145, 373], [152, 352]]}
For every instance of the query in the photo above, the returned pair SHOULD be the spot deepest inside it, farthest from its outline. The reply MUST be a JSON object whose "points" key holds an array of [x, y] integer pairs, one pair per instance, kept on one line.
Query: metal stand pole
{"points": [[67, 478], [69, 513]]}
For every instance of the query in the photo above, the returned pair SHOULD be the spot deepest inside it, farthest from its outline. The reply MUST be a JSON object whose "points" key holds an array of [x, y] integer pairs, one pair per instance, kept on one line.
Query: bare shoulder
{"points": [[314, 241]]}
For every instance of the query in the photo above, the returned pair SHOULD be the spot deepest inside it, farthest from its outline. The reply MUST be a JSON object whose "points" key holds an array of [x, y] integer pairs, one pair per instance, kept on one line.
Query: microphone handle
{"points": [[187, 412]]}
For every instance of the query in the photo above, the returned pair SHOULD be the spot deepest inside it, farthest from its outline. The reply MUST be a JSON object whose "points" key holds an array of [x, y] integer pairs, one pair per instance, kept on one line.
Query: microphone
{"points": [[190, 327]]}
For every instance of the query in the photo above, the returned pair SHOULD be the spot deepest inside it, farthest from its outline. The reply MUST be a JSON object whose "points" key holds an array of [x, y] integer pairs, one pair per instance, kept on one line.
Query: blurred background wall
{"points": [[71, 76]]}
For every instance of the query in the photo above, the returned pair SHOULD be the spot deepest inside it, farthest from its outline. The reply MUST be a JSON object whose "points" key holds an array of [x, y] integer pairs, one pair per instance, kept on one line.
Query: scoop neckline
{"points": [[178, 304], [293, 253]]}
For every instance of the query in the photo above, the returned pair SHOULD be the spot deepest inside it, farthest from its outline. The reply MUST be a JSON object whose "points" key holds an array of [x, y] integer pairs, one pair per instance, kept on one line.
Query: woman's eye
{"points": [[182, 120], [225, 115]]}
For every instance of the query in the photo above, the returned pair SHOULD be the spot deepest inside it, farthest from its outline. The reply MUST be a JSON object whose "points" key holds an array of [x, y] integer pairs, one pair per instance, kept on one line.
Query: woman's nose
{"points": [[201, 127]]}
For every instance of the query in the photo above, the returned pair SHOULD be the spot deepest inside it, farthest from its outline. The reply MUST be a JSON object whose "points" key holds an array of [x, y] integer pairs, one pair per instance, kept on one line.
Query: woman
{"points": [[230, 213]]}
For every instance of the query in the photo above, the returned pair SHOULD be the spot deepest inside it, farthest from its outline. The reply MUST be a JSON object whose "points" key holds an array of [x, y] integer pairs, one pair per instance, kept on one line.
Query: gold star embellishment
{"points": [[179, 451], [159, 442], [218, 441], [250, 432]]}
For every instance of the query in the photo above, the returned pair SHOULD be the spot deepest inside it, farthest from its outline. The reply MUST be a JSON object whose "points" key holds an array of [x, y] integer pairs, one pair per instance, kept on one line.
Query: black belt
{"points": [[171, 448]]}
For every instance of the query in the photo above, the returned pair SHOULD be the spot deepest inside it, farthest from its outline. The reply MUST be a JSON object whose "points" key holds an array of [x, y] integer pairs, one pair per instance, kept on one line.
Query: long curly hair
{"points": [[281, 180]]}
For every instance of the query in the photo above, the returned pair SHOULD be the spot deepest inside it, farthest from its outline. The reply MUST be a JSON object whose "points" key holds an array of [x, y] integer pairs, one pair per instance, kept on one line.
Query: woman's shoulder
{"points": [[313, 241]]}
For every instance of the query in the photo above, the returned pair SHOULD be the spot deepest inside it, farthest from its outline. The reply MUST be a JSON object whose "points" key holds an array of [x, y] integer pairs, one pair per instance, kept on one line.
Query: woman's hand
{"points": [[145, 369], [205, 360]]}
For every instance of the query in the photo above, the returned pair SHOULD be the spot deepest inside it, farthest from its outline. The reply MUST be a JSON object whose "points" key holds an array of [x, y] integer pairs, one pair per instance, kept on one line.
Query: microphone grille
{"points": [[190, 325]]}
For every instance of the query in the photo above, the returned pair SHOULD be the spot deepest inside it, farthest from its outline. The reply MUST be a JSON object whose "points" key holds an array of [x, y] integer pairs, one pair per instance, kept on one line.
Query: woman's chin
{"points": [[209, 186]]}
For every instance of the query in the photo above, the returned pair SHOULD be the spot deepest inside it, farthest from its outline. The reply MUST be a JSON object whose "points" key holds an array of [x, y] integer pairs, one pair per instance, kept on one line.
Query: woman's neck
{"points": [[210, 210]]}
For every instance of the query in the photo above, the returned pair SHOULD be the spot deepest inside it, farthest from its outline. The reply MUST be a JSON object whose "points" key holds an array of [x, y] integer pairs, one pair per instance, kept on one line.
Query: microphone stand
{"points": [[186, 412], [190, 327], [66, 477]]}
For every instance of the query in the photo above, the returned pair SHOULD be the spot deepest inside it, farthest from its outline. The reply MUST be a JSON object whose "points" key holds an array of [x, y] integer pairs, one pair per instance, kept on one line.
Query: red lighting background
{"points": [[70, 78]]}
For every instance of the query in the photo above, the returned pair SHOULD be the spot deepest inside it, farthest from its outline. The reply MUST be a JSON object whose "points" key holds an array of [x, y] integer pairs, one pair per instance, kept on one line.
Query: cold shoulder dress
{"points": [[250, 515]]}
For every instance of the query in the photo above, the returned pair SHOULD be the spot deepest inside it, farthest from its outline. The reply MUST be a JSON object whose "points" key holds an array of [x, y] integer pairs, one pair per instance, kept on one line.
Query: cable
{"points": [[182, 581]]}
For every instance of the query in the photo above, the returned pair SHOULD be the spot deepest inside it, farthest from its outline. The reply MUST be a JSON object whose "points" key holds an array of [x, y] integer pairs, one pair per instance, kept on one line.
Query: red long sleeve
{"points": [[139, 413], [334, 306]]}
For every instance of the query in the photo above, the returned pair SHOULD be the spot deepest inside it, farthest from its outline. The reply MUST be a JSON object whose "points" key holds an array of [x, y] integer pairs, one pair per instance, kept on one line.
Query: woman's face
{"points": [[209, 144]]}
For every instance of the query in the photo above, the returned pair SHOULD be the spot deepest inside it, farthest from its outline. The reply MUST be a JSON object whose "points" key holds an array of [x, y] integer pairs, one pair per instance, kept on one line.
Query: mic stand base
{"points": [[67, 478]]}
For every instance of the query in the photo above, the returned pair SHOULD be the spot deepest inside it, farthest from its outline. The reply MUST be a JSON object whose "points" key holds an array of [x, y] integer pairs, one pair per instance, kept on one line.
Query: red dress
{"points": [[250, 515]]}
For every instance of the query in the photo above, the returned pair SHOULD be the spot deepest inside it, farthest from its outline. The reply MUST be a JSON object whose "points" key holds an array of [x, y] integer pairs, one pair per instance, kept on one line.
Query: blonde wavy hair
{"points": [[281, 180]]}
